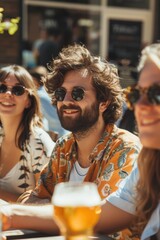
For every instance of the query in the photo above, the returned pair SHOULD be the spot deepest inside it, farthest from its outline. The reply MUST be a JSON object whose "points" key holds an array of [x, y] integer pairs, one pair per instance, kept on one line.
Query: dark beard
{"points": [[83, 122]]}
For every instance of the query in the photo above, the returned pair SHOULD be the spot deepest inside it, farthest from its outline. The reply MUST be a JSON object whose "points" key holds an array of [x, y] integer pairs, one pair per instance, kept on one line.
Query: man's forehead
{"points": [[78, 74], [78, 77], [84, 73]]}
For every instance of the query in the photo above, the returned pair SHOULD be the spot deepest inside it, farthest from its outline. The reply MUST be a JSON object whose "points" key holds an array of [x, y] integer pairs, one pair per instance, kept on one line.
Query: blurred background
{"points": [[116, 30]]}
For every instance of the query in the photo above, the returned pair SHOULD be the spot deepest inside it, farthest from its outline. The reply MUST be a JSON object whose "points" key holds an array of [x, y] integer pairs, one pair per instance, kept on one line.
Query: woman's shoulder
{"points": [[39, 132], [40, 138]]}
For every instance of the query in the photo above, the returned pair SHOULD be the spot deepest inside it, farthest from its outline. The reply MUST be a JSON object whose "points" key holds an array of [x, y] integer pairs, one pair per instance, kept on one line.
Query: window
{"points": [[141, 4]]}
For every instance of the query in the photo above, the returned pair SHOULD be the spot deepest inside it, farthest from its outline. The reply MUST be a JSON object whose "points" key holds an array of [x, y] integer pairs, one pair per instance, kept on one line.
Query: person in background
{"points": [[50, 47], [88, 97], [28, 60], [51, 121], [128, 121], [24, 146], [36, 44]]}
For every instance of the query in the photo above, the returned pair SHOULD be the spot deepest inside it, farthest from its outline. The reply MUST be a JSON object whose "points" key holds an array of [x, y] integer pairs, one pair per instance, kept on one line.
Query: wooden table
{"points": [[28, 234]]}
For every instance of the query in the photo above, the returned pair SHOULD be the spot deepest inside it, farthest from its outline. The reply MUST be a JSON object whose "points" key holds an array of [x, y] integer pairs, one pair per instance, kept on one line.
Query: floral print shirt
{"points": [[23, 175], [112, 160]]}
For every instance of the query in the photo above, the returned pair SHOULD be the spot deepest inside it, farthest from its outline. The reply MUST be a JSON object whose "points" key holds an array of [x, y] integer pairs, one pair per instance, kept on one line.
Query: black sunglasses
{"points": [[17, 90], [77, 94], [133, 94]]}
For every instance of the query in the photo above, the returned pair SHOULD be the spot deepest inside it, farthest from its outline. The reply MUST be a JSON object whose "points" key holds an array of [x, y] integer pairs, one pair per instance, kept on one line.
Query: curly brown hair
{"points": [[105, 78]]}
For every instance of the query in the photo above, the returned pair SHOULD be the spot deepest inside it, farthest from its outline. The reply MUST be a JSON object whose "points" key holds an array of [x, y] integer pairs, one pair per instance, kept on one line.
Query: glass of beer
{"points": [[76, 209], [4, 219]]}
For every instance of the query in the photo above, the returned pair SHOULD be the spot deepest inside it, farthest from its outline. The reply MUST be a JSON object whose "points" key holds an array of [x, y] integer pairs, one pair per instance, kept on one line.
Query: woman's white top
{"points": [[124, 198], [37, 153]]}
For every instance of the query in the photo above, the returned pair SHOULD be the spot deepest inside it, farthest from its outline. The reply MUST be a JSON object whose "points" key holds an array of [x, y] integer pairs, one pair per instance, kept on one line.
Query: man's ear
{"points": [[103, 106]]}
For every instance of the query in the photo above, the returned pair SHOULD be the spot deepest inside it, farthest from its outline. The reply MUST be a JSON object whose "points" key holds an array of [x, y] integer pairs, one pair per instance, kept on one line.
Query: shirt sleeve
{"points": [[115, 168], [49, 176], [124, 197], [47, 142], [56, 170], [41, 147]]}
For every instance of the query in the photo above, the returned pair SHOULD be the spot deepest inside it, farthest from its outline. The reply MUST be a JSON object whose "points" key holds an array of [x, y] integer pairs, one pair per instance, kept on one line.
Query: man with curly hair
{"points": [[88, 97]]}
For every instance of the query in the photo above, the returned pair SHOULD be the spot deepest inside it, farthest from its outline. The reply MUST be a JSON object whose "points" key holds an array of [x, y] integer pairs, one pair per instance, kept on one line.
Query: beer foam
{"points": [[78, 196]]}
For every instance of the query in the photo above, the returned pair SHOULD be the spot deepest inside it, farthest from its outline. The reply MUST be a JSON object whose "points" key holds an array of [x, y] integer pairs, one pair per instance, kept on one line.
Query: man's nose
{"points": [[68, 97]]}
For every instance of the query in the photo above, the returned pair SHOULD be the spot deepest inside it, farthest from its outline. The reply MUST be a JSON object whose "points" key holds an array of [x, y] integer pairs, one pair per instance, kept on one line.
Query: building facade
{"points": [[114, 29]]}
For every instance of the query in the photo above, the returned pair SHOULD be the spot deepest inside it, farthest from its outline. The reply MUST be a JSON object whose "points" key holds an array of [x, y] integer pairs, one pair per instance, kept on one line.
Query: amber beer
{"points": [[4, 222], [76, 209]]}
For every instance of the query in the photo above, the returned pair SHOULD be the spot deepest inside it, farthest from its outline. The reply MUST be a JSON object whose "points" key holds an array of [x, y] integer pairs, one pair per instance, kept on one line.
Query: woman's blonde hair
{"points": [[148, 187], [150, 52]]}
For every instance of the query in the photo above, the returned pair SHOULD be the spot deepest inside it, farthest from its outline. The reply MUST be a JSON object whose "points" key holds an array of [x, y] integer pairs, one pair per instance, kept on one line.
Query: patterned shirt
{"points": [[112, 160]]}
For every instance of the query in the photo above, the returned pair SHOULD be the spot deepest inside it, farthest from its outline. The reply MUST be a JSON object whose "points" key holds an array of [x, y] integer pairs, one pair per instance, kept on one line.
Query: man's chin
{"points": [[71, 128], [68, 127], [69, 124]]}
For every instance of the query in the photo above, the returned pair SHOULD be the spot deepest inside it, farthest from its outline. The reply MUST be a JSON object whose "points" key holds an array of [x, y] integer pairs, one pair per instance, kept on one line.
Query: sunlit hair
{"points": [[31, 115], [148, 187], [105, 79], [151, 52]]}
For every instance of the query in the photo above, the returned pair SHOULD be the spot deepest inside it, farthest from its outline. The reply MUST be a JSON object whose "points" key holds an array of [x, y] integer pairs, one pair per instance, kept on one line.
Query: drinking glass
{"points": [[3, 219], [76, 209]]}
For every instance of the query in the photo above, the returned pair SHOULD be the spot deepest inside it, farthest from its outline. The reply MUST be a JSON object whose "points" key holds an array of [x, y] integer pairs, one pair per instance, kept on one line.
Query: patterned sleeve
{"points": [[41, 147], [48, 178], [57, 168], [118, 167], [124, 197]]}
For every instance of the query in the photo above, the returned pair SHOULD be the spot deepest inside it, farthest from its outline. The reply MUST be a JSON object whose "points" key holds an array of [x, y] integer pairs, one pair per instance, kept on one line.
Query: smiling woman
{"points": [[24, 146], [137, 202]]}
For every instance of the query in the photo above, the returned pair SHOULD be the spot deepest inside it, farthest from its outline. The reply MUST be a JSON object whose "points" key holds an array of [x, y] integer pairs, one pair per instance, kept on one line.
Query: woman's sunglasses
{"points": [[77, 94], [133, 94], [17, 90]]}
